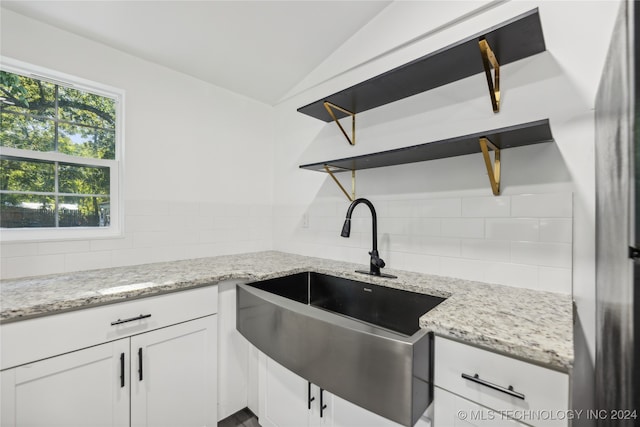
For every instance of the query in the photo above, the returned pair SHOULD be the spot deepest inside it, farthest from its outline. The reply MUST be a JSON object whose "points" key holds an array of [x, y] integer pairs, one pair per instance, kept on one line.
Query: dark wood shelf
{"points": [[508, 137], [510, 41]]}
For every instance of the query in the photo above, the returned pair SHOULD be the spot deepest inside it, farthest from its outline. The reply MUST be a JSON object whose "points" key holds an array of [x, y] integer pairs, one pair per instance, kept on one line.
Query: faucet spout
{"points": [[375, 263]]}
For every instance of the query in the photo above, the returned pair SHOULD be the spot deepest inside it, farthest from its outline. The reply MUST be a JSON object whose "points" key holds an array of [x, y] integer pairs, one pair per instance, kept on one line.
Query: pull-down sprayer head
{"points": [[346, 228]]}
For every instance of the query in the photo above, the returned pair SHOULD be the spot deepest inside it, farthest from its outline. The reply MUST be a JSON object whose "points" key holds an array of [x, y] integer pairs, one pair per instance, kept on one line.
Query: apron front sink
{"points": [[359, 341]]}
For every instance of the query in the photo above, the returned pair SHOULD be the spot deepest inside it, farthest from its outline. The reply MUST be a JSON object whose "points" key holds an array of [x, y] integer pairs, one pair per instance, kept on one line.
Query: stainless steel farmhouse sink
{"points": [[360, 341]]}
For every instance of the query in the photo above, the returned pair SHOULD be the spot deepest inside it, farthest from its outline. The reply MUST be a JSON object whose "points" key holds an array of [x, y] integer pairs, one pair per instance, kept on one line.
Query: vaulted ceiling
{"points": [[260, 49]]}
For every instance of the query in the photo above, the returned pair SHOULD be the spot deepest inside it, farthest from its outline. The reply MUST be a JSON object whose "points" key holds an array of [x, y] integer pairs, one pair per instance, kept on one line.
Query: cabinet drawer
{"points": [[454, 411], [35, 339], [544, 393]]}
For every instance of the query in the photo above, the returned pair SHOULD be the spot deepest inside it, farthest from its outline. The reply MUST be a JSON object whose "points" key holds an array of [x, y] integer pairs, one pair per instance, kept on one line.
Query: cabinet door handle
{"points": [[509, 390], [121, 370], [131, 319], [140, 364], [309, 398], [322, 405]]}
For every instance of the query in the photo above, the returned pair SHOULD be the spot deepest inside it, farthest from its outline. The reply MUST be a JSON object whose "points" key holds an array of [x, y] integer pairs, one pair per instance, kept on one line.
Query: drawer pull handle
{"points": [[476, 379], [131, 319]]}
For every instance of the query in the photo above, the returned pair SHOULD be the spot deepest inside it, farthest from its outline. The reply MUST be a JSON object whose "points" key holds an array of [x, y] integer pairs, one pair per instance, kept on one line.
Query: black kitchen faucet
{"points": [[376, 262]]}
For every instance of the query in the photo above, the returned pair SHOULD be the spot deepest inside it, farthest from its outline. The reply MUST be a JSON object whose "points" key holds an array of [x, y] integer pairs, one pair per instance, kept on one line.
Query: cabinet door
{"points": [[81, 388], [173, 375], [283, 396], [346, 414], [451, 410]]}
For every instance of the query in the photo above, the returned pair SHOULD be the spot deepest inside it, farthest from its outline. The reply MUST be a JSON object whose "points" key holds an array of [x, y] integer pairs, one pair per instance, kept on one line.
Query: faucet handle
{"points": [[376, 260]]}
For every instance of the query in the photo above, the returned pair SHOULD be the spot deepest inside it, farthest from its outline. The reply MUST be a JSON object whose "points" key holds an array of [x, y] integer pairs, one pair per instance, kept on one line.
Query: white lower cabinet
{"points": [[165, 376], [69, 390], [480, 388], [173, 375], [454, 411], [288, 400]]}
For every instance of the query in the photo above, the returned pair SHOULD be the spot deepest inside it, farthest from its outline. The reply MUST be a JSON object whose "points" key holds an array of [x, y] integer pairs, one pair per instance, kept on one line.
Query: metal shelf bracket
{"points": [[489, 61], [492, 170], [351, 196], [330, 107]]}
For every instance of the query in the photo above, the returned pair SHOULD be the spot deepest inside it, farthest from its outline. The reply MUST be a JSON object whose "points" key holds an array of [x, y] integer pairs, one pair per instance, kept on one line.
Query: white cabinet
{"points": [[454, 411], [163, 376], [288, 400], [285, 399], [173, 375], [492, 389], [75, 389]]}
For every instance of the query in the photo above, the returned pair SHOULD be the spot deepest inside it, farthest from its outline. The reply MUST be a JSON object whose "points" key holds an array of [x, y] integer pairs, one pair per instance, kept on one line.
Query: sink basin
{"points": [[360, 341], [394, 309]]}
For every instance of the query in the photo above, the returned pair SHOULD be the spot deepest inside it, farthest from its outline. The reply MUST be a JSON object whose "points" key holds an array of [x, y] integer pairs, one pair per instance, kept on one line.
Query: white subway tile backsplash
{"points": [[486, 207], [439, 208], [183, 209], [148, 222], [442, 246], [32, 265], [462, 268], [396, 225], [514, 229], [428, 227], [517, 240], [555, 280], [463, 227], [88, 260], [133, 256], [518, 275], [328, 208], [559, 230], [112, 244], [403, 243], [556, 205], [147, 207], [542, 254], [148, 239], [47, 248], [15, 249], [490, 250], [404, 209], [415, 262]]}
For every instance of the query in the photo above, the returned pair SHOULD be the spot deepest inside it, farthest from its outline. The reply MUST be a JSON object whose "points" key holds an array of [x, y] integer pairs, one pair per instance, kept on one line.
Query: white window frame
{"points": [[116, 166]]}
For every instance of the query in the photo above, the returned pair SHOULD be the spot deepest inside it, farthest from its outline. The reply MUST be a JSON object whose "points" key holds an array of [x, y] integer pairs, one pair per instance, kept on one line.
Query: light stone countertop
{"points": [[531, 325]]}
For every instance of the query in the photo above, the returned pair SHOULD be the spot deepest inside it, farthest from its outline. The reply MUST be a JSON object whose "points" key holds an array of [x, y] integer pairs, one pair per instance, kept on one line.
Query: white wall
{"points": [[559, 84], [196, 183]]}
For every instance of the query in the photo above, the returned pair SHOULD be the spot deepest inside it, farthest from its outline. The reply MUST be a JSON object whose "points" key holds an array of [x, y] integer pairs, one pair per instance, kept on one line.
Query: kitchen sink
{"points": [[360, 341]]}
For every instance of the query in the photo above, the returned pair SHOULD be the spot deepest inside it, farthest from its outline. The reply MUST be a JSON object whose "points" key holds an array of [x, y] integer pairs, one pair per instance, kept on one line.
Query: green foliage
{"points": [[13, 89], [41, 116]]}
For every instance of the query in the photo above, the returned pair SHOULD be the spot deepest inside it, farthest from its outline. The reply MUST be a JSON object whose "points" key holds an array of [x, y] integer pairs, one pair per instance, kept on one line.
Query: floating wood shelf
{"points": [[498, 139], [510, 41]]}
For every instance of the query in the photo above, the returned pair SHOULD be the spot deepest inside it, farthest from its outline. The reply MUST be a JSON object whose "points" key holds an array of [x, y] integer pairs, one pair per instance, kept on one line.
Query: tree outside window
{"points": [[58, 153]]}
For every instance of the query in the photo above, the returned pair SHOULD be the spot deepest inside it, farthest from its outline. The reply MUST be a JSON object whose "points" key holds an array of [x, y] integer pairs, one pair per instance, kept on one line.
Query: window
{"points": [[60, 155]]}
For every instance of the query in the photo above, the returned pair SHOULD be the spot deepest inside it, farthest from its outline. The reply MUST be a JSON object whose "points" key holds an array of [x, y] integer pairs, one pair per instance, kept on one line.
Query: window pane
{"points": [[83, 179], [84, 211], [86, 142], [28, 96], [20, 211], [22, 175], [85, 108], [27, 133]]}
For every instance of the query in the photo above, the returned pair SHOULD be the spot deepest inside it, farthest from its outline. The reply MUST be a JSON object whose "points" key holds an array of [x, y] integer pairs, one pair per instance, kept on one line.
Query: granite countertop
{"points": [[531, 325]]}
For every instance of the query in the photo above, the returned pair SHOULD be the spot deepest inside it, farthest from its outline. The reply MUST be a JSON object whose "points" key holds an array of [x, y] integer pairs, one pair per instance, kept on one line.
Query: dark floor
{"points": [[242, 418]]}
